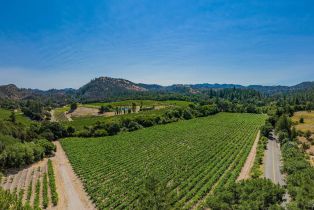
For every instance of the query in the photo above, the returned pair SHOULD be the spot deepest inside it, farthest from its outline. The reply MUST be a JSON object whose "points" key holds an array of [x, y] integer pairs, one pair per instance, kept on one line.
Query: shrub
{"points": [[249, 194], [266, 129], [132, 126], [47, 145], [101, 132], [113, 128]]}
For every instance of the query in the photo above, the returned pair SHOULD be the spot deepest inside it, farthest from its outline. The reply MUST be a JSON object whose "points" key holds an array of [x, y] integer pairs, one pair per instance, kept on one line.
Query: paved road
{"points": [[273, 162]]}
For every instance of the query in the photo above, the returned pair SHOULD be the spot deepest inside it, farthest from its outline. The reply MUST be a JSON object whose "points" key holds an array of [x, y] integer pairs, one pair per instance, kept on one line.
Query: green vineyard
{"points": [[192, 158]]}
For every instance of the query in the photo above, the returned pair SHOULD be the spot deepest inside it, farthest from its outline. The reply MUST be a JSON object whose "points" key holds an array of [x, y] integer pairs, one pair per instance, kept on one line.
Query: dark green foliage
{"points": [[47, 130], [284, 124], [132, 124], [104, 109], [187, 114], [17, 154], [48, 146], [70, 130], [283, 137], [251, 194], [16, 130], [134, 107], [261, 146], [13, 117], [34, 109], [300, 180], [52, 130], [73, 106], [301, 120], [45, 191], [52, 184], [113, 129], [37, 192], [266, 129]]}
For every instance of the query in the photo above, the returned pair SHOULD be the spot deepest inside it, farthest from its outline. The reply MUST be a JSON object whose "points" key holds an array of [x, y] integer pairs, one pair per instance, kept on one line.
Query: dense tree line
{"points": [[21, 145], [250, 194], [227, 99], [14, 153], [127, 124], [300, 174], [300, 179]]}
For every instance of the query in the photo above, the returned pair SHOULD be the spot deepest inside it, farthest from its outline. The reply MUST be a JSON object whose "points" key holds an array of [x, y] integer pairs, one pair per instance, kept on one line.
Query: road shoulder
{"points": [[246, 169]]}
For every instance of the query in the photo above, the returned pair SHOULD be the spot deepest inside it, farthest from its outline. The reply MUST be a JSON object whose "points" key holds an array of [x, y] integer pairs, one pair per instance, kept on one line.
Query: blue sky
{"points": [[60, 43]]}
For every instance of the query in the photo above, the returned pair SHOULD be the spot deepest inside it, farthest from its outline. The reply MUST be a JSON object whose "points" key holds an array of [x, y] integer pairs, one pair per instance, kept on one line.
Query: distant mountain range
{"points": [[105, 87]]}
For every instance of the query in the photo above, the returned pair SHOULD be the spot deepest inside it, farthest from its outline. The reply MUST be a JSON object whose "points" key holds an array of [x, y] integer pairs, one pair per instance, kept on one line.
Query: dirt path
{"points": [[68, 116], [245, 171], [69, 187], [52, 113]]}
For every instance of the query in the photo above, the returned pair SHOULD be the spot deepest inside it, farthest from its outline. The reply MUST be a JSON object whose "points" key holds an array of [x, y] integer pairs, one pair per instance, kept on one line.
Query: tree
{"points": [[13, 117], [284, 124], [104, 109], [266, 129], [308, 134], [249, 194], [301, 120], [113, 129], [73, 106], [187, 114], [70, 130], [294, 133], [133, 107]]}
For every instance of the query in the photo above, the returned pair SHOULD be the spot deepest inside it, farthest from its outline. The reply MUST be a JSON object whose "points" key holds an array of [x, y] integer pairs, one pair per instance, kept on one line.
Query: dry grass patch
{"points": [[308, 120]]}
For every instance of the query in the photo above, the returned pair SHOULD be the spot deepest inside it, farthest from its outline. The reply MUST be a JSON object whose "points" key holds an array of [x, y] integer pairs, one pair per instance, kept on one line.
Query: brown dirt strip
{"points": [[15, 181], [246, 170], [27, 183], [9, 182], [52, 113], [20, 184], [69, 187]]}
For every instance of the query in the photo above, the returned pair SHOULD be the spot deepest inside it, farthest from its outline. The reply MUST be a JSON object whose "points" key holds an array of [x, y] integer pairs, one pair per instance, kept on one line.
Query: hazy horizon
{"points": [[223, 83], [63, 44]]}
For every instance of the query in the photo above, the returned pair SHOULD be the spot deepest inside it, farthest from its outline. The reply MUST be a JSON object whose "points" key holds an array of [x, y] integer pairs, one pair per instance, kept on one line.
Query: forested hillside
{"points": [[109, 89]]}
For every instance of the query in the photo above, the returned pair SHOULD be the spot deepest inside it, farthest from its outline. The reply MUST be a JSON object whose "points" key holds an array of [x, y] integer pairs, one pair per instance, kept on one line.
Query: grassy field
{"points": [[192, 157], [80, 122], [20, 117], [308, 120], [59, 113]]}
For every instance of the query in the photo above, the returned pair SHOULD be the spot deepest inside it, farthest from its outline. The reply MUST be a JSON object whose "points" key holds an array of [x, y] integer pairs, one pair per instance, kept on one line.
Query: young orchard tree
{"points": [[133, 107], [13, 117]]}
